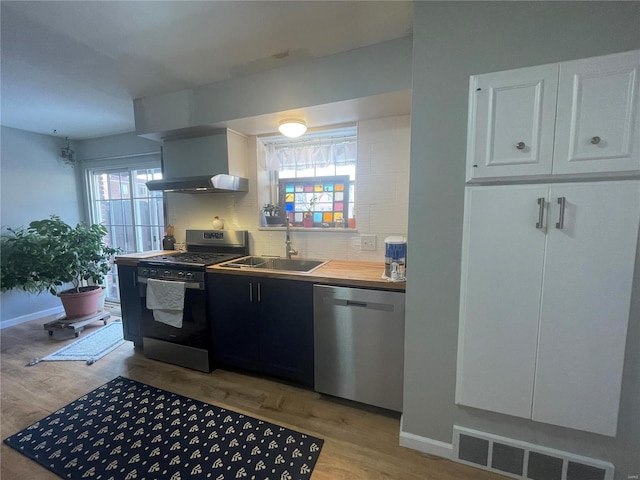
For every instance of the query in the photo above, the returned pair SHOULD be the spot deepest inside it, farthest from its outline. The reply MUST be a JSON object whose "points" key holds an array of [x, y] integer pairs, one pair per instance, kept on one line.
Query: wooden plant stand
{"points": [[76, 324]]}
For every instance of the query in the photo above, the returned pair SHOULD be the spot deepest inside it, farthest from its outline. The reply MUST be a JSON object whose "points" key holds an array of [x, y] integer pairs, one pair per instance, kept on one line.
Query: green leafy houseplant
{"points": [[50, 254], [271, 210], [272, 214]]}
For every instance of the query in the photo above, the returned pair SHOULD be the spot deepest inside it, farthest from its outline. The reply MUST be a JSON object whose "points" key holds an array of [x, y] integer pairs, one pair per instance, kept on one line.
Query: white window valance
{"points": [[316, 153]]}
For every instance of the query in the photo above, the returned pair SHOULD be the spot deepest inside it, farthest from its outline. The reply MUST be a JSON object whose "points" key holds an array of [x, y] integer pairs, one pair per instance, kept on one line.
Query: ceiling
{"points": [[73, 68]]}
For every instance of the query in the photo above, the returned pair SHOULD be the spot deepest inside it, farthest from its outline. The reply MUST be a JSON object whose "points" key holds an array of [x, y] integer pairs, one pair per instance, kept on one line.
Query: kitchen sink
{"points": [[299, 265]]}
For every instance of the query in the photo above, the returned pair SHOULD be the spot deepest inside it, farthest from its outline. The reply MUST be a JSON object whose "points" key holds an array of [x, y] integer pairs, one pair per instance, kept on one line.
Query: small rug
{"points": [[128, 430], [91, 347]]}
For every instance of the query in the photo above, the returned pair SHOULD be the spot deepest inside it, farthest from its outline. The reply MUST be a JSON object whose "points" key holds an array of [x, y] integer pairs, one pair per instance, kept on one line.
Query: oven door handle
{"points": [[187, 285]]}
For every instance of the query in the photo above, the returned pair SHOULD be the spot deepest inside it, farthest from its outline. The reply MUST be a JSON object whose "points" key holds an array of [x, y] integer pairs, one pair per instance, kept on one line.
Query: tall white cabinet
{"points": [[547, 268]]}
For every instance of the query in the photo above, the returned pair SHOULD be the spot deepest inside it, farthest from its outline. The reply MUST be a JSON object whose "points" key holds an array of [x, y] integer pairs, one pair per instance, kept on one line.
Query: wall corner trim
{"points": [[424, 444]]}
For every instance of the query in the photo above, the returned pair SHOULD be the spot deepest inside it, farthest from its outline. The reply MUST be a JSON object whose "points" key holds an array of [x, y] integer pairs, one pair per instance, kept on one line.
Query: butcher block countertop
{"points": [[334, 272]]}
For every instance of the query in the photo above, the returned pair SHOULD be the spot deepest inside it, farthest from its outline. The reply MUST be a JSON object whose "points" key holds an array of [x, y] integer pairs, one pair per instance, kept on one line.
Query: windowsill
{"points": [[310, 229]]}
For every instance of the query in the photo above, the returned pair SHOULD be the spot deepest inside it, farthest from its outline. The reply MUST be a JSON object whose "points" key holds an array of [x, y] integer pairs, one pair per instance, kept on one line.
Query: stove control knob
{"points": [[153, 271], [180, 274], [145, 271], [167, 273], [189, 275]]}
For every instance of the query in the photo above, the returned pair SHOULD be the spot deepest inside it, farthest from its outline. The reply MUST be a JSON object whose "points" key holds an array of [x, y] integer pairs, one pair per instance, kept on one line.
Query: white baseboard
{"points": [[425, 445], [31, 316]]}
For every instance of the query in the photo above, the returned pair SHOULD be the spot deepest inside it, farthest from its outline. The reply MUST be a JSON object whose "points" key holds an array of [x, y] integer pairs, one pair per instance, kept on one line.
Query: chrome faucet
{"points": [[289, 249]]}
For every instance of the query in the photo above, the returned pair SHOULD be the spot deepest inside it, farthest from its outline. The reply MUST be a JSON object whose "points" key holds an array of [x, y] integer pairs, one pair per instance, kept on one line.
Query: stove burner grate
{"points": [[191, 259]]}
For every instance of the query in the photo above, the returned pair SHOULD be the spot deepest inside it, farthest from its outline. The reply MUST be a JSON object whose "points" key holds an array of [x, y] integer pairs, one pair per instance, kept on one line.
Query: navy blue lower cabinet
{"points": [[233, 321], [262, 324], [130, 304]]}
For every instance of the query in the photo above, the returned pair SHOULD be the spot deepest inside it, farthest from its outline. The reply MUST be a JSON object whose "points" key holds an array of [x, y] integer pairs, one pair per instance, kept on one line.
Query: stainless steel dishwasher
{"points": [[359, 344]]}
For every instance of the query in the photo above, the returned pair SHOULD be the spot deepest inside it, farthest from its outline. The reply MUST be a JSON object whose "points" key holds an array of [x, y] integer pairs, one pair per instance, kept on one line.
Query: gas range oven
{"points": [[184, 339]]}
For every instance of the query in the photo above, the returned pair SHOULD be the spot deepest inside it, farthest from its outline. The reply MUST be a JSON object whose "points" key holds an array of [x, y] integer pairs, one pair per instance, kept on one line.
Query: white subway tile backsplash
{"points": [[389, 219], [362, 218], [328, 246], [402, 187], [376, 189], [378, 130], [386, 158], [363, 167]]}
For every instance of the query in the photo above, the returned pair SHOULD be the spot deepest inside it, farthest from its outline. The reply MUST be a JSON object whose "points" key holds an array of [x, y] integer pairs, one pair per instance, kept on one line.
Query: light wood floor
{"points": [[360, 442]]}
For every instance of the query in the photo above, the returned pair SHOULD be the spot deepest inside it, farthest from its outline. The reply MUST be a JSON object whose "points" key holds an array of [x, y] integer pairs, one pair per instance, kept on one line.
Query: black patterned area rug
{"points": [[128, 430]]}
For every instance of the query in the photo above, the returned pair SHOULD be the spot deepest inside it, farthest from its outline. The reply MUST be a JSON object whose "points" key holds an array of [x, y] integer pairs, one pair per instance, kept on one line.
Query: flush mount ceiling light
{"points": [[292, 127]]}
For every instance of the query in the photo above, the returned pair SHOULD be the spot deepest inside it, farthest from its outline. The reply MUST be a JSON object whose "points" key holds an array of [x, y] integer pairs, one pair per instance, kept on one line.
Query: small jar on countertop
{"points": [[217, 223], [169, 242]]}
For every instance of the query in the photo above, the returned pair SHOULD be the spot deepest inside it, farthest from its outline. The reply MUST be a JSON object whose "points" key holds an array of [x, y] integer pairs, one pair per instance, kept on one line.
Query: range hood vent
{"points": [[214, 163], [202, 184]]}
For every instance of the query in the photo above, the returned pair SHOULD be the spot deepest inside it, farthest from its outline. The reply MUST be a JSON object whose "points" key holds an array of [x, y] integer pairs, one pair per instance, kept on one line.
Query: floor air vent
{"points": [[522, 460]]}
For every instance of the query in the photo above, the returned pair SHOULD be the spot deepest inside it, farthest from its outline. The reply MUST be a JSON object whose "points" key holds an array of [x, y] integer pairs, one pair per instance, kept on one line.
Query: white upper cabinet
{"points": [[511, 122], [597, 120], [571, 118]]}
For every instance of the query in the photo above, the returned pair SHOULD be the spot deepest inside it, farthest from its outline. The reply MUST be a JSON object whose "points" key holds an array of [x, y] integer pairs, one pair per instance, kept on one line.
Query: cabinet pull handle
{"points": [[595, 140], [540, 222], [251, 292], [259, 299], [560, 224], [520, 145]]}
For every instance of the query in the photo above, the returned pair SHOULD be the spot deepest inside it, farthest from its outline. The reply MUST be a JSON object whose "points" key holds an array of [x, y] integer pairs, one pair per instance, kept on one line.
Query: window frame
{"points": [[329, 134], [118, 164]]}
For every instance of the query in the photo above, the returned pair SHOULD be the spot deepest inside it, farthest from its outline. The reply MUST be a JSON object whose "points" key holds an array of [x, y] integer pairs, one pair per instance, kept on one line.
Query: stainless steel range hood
{"points": [[204, 164], [204, 184]]}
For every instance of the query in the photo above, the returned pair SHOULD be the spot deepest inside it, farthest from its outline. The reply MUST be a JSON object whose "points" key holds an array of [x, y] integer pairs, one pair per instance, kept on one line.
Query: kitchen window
{"points": [[314, 176], [133, 215]]}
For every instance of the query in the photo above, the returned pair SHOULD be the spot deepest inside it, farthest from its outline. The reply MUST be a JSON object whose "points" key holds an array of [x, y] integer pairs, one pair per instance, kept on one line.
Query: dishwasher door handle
{"points": [[352, 303], [384, 307]]}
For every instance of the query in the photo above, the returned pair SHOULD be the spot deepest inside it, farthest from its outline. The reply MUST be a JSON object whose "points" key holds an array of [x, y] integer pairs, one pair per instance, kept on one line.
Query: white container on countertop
{"points": [[395, 258], [217, 223]]}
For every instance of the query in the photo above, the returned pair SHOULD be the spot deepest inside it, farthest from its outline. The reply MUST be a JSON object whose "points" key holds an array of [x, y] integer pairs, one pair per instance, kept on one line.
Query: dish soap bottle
{"points": [[217, 223]]}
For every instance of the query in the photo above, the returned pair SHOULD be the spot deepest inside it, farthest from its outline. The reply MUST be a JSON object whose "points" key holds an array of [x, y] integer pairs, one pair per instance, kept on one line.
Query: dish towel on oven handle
{"points": [[166, 299]]}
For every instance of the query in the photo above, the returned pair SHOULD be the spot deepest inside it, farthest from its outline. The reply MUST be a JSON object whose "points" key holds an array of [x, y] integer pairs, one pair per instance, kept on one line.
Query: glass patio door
{"points": [[133, 215]]}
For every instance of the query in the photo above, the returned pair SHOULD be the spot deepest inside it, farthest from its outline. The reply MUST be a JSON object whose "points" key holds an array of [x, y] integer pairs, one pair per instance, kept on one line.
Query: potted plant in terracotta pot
{"points": [[49, 255]]}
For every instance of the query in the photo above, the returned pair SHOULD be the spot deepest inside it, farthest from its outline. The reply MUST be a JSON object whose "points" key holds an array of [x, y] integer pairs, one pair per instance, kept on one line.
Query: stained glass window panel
{"points": [[318, 196]]}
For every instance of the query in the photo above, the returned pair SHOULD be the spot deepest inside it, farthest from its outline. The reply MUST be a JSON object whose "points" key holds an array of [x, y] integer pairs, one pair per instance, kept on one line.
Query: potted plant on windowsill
{"points": [[50, 254], [272, 214]]}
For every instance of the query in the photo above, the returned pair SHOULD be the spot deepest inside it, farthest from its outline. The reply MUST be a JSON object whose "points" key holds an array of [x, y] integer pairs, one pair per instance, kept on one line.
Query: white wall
{"points": [[125, 145], [382, 199], [453, 40], [36, 183]]}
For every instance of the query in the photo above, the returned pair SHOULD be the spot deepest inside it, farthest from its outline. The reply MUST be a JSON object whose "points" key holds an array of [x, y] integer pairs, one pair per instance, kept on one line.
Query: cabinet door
{"points": [[597, 119], [502, 262], [286, 329], [232, 305], [511, 122], [585, 305], [130, 304]]}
